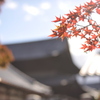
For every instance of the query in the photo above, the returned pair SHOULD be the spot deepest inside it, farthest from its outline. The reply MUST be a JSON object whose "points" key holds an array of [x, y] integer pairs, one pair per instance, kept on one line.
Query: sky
{"points": [[30, 20]]}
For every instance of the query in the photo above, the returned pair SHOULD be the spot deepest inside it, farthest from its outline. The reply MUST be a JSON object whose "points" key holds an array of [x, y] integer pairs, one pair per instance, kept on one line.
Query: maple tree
{"points": [[69, 25], [6, 55]]}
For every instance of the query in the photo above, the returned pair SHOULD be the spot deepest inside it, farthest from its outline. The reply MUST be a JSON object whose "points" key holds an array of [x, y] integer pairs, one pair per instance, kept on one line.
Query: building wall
{"points": [[11, 93]]}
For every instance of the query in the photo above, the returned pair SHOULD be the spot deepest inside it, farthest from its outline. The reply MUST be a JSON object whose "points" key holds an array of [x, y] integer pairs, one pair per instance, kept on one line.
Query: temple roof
{"points": [[38, 49], [11, 76], [43, 60]]}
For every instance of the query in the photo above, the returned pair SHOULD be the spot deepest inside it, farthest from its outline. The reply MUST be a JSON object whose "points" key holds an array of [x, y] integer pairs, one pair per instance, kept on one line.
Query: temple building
{"points": [[49, 62]]}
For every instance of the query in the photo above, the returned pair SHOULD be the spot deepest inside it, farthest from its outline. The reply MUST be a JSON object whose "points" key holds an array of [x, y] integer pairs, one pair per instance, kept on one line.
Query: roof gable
{"points": [[35, 50]]}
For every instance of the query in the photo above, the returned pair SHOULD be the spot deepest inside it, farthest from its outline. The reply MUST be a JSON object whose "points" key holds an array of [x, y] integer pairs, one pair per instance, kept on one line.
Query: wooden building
{"points": [[48, 61], [15, 85]]}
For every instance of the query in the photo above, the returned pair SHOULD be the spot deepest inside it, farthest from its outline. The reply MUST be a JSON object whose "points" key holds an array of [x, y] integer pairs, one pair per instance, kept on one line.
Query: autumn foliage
{"points": [[69, 25], [6, 55]]}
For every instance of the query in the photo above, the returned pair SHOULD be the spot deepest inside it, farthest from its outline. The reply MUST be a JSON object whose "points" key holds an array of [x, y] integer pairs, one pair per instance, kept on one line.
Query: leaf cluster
{"points": [[6, 56], [68, 25]]}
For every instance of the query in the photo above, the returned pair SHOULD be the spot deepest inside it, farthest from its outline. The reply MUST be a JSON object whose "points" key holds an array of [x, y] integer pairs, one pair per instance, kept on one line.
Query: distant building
{"points": [[15, 85], [49, 62]]}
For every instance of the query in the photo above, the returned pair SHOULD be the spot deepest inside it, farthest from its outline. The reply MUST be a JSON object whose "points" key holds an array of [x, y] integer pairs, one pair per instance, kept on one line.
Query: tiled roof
{"points": [[44, 59], [39, 49], [13, 76]]}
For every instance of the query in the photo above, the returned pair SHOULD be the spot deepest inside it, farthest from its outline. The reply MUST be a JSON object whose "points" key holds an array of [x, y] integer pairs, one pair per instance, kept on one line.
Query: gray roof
{"points": [[13, 76], [43, 60], [38, 49]]}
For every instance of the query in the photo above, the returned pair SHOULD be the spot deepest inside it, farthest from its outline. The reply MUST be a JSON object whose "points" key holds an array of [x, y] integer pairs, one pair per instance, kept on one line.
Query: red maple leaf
{"points": [[69, 35], [91, 3], [57, 19], [82, 35], [87, 31], [94, 42], [82, 17], [74, 22], [63, 19], [90, 21], [98, 10], [54, 34], [94, 36], [78, 10], [94, 25], [84, 46], [66, 34], [69, 25], [90, 48]]}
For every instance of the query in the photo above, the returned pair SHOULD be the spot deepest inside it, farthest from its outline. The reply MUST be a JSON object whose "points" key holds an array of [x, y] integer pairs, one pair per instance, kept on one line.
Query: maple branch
{"points": [[70, 27], [82, 25]]}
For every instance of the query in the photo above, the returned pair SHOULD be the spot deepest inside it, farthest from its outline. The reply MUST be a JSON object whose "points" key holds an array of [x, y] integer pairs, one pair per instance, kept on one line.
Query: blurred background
{"points": [[30, 20], [44, 68]]}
